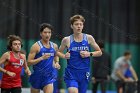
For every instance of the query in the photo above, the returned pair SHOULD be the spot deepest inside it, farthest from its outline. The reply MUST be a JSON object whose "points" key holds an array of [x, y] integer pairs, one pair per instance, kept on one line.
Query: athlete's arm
{"points": [[3, 59], [25, 63], [118, 71], [27, 70], [33, 51], [63, 46], [56, 58], [120, 75], [97, 49], [134, 73]]}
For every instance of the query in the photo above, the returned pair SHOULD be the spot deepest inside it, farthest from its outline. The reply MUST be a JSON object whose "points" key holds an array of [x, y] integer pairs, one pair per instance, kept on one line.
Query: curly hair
{"points": [[12, 38]]}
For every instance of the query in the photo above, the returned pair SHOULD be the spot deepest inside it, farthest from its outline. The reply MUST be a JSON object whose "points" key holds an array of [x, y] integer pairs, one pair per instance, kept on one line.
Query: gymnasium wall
{"points": [[114, 21]]}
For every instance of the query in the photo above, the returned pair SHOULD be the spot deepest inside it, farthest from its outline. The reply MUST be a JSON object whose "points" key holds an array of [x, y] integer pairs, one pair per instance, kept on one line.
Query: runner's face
{"points": [[128, 57], [77, 26], [46, 34], [16, 46]]}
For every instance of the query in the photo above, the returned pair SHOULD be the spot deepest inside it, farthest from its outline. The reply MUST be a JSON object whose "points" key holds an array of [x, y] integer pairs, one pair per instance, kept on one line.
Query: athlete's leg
{"points": [[5, 90], [103, 86], [120, 90], [48, 88], [33, 90], [83, 86], [95, 86], [35, 80], [120, 86], [16, 90], [72, 86], [72, 90]]}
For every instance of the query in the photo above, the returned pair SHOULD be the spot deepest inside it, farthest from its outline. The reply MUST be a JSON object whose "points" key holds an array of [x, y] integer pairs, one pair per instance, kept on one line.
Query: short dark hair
{"points": [[75, 18], [12, 38], [126, 53], [44, 25], [100, 43]]}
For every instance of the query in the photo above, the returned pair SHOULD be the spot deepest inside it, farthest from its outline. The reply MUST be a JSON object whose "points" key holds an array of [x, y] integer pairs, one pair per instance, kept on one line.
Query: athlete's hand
{"points": [[84, 54], [57, 66], [128, 80], [46, 56], [28, 72], [67, 55], [12, 74]]}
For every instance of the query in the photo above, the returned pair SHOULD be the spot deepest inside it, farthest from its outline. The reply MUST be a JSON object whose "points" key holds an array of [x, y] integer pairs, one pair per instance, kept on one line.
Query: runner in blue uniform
{"points": [[78, 65], [42, 56]]}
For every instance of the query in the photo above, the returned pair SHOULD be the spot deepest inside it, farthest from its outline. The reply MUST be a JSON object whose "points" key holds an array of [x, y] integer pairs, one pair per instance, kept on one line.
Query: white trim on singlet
{"points": [[51, 44], [40, 44], [85, 37], [71, 38]]}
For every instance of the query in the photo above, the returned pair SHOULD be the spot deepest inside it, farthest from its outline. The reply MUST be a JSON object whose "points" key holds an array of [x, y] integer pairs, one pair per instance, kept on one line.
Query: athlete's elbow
{"points": [[60, 54], [100, 53], [29, 63]]}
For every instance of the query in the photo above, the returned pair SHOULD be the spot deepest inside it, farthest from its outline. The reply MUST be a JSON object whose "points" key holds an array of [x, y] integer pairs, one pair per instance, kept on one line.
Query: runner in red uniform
{"points": [[13, 61]]}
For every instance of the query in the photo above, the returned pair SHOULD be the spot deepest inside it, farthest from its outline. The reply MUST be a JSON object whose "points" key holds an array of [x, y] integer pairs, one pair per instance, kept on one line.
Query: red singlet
{"points": [[14, 65]]}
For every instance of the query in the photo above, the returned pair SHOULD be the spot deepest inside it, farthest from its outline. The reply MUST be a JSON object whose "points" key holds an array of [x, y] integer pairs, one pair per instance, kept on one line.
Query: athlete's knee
{"points": [[72, 90], [120, 90], [48, 88], [33, 90]]}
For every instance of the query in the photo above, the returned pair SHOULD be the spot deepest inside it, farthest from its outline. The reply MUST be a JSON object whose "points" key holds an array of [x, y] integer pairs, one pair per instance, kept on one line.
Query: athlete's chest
{"points": [[50, 51], [16, 62], [79, 46]]}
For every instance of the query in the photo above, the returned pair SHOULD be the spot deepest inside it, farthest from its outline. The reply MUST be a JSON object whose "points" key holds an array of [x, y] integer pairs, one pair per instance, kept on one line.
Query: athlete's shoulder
{"points": [[89, 36], [6, 53], [66, 39], [23, 55], [35, 47], [119, 60], [54, 44]]}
